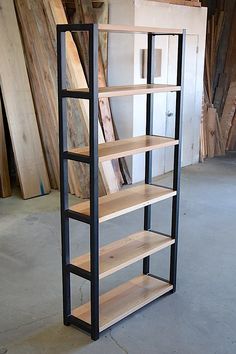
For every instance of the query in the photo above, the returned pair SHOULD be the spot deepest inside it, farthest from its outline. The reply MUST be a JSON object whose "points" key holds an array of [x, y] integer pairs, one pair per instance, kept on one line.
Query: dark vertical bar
{"points": [[177, 159], [149, 131], [65, 244], [93, 140]]}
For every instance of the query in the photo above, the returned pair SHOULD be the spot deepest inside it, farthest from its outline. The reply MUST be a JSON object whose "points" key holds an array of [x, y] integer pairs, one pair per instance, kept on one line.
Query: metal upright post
{"points": [[149, 131], [93, 141], [65, 242], [177, 158]]}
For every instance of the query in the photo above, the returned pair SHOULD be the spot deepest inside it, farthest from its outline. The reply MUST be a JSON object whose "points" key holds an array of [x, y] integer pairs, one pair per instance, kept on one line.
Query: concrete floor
{"points": [[199, 319]]}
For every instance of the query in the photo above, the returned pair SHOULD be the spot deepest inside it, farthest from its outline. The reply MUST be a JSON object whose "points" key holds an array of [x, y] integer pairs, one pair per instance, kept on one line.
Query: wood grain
{"points": [[130, 90], [119, 254], [120, 302], [127, 147], [19, 107], [5, 185], [77, 79], [125, 201], [137, 29]]}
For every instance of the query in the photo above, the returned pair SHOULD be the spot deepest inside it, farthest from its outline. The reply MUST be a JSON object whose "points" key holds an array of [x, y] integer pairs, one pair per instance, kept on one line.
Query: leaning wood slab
{"points": [[19, 107]]}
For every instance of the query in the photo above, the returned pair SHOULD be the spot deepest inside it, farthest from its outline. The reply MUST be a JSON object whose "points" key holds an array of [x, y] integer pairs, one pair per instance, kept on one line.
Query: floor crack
{"points": [[27, 324], [124, 350]]}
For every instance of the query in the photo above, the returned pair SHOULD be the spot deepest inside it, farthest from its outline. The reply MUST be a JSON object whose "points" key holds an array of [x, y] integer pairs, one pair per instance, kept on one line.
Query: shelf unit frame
{"points": [[92, 95]]}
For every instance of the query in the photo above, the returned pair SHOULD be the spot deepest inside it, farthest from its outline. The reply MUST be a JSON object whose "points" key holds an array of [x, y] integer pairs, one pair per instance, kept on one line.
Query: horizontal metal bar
{"points": [[73, 27], [76, 157], [83, 95], [160, 233], [79, 323], [79, 271], [159, 278], [78, 216]]}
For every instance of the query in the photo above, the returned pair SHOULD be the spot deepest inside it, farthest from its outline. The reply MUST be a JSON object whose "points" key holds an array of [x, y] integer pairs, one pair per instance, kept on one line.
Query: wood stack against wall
{"points": [[219, 118], [37, 23]]}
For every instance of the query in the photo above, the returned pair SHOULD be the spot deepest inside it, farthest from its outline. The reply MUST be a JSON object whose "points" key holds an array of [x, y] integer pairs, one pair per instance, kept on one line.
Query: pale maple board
{"points": [[119, 254], [120, 302], [130, 90], [125, 201], [5, 185], [137, 29], [126, 147], [19, 107]]}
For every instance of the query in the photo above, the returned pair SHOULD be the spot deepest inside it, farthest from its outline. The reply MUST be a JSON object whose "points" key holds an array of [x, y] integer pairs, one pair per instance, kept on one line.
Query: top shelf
{"points": [[137, 29]]}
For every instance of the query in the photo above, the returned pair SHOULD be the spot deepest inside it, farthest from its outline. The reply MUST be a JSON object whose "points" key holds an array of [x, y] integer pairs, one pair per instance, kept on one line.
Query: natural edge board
{"points": [[125, 147], [125, 201], [120, 302], [129, 90], [137, 29], [121, 253]]}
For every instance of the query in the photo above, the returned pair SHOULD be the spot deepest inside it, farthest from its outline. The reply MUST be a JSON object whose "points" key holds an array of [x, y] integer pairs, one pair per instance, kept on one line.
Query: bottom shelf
{"points": [[120, 302]]}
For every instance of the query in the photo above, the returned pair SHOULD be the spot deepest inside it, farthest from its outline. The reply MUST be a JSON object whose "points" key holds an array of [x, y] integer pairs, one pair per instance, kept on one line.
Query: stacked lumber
{"points": [[84, 13], [38, 20], [218, 129], [20, 112]]}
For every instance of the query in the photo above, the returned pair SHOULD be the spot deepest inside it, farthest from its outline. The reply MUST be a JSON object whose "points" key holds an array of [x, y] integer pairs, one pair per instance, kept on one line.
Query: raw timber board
{"points": [[85, 14], [41, 60], [19, 107], [5, 186], [78, 79]]}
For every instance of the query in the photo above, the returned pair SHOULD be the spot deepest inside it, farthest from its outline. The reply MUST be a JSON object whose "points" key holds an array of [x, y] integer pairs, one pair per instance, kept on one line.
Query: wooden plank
{"points": [[127, 147], [121, 253], [5, 185], [228, 112], [137, 29], [211, 128], [125, 201], [19, 107], [231, 143], [77, 79], [84, 14], [130, 90], [194, 3], [120, 302]]}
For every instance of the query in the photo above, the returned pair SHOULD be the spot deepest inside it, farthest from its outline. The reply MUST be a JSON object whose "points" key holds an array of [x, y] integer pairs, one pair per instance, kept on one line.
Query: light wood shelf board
{"points": [[137, 29], [129, 90], [126, 147], [119, 254], [124, 300], [125, 201]]}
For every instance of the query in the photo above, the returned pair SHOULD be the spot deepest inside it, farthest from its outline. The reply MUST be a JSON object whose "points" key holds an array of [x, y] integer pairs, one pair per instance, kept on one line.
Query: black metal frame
{"points": [[92, 160]]}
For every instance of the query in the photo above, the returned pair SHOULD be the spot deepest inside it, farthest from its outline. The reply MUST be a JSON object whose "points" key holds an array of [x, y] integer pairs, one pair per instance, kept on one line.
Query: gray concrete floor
{"points": [[200, 318]]}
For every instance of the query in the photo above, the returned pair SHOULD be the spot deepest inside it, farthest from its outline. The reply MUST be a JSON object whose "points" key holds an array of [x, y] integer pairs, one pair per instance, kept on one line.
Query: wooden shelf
{"points": [[124, 300], [137, 29], [121, 253], [125, 147], [125, 201], [127, 90]]}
